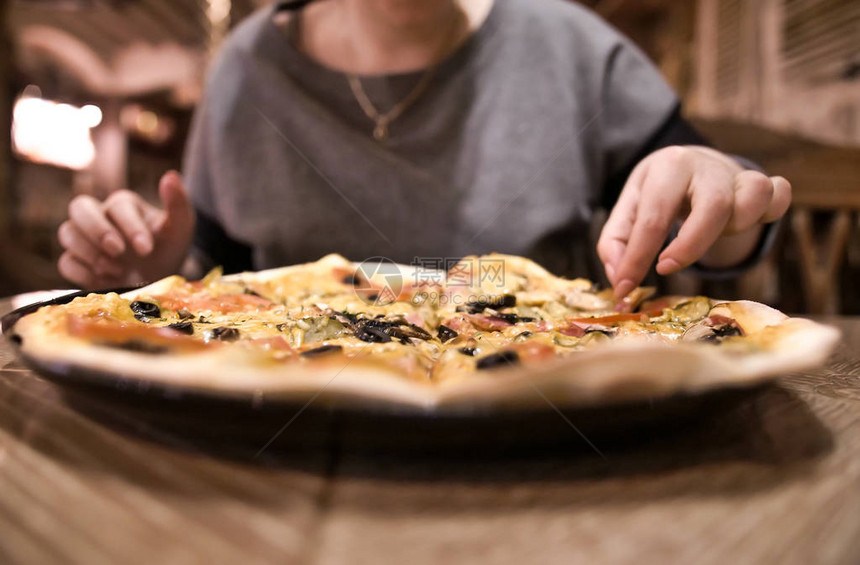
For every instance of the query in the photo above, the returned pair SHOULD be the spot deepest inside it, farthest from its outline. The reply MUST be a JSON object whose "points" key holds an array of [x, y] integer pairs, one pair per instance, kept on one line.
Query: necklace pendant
{"points": [[380, 132]]}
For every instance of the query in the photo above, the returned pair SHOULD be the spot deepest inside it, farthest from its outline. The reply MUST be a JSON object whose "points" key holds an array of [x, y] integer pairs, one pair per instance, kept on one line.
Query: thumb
{"points": [[178, 212]]}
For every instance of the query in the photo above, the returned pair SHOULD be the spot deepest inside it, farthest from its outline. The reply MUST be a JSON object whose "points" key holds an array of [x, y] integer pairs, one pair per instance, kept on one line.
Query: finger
{"points": [[75, 243], [614, 236], [753, 195], [780, 202], [85, 252], [616, 231], [711, 210], [75, 271], [87, 214], [78, 273], [663, 193], [177, 206], [124, 209]]}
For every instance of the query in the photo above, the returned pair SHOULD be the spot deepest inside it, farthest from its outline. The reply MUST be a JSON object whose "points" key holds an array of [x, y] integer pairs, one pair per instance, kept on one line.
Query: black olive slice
{"points": [[373, 334], [513, 318], [147, 309], [225, 334], [402, 328], [138, 346], [719, 332], [184, 327], [445, 333], [372, 330], [378, 330], [321, 350], [344, 318], [416, 331], [470, 351], [351, 280], [728, 330], [499, 359], [478, 306]]}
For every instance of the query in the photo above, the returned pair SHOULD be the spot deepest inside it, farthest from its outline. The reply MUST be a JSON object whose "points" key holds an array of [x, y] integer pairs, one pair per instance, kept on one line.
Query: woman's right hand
{"points": [[125, 241]]}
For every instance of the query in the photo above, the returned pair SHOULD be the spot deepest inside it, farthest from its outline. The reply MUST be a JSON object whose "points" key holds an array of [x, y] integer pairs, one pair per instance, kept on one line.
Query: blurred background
{"points": [[97, 95]]}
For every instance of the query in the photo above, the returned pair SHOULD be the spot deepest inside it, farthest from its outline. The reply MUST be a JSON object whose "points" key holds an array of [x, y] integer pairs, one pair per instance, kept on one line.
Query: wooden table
{"points": [[776, 480]]}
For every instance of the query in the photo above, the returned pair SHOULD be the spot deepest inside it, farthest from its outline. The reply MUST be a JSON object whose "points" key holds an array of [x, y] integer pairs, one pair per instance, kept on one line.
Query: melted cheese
{"points": [[281, 313]]}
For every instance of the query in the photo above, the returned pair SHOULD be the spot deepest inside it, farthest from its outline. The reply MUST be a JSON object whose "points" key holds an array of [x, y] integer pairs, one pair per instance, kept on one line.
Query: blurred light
{"points": [[218, 10], [218, 17], [148, 125], [32, 90], [57, 134], [93, 115], [147, 122]]}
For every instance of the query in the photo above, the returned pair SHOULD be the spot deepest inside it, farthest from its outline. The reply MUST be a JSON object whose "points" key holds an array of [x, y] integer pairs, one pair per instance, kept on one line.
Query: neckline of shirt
{"points": [[286, 47]]}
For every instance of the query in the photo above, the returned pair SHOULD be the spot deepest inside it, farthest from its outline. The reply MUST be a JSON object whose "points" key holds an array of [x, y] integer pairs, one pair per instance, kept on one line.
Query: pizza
{"points": [[481, 331]]}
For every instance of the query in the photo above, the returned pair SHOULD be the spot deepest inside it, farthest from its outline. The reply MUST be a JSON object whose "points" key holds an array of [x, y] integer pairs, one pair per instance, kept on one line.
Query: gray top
{"points": [[507, 150]]}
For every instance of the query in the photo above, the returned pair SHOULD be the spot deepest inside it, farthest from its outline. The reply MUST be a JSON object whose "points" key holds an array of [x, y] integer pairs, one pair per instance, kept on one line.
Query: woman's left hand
{"points": [[722, 208]]}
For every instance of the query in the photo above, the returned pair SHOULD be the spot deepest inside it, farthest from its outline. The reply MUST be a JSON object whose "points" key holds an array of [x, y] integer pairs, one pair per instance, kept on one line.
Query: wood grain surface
{"points": [[773, 479]]}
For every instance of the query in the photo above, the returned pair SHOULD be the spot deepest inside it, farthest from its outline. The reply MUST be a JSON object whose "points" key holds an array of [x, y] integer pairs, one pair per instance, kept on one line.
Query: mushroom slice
{"points": [[712, 329], [634, 298]]}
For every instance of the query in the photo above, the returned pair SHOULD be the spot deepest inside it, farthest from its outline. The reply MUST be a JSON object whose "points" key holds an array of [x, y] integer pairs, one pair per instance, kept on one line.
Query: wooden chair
{"points": [[825, 181]]}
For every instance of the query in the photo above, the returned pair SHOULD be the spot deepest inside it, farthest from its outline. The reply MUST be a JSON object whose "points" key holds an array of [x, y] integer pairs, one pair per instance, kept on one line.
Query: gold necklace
{"points": [[382, 120]]}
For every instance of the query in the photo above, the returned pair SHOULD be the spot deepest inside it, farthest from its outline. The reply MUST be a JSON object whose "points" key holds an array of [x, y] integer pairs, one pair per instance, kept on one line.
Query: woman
{"points": [[431, 128]]}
